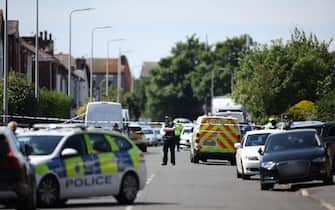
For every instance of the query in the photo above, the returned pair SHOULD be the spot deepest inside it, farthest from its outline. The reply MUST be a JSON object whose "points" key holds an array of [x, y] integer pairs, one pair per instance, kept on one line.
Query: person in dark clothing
{"points": [[167, 132]]}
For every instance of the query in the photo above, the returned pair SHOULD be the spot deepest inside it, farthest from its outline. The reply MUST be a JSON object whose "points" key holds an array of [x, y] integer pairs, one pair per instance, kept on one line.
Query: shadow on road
{"points": [[296, 187], [215, 163], [114, 204]]}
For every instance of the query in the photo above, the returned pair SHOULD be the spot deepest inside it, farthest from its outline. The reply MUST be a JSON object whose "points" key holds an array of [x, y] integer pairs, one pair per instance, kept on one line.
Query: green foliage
{"points": [[54, 104], [21, 100], [274, 77], [181, 85], [326, 107], [303, 110]]}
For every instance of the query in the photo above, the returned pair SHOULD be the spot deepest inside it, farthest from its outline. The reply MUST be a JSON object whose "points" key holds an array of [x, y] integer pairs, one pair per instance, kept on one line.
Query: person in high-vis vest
{"points": [[177, 133]]}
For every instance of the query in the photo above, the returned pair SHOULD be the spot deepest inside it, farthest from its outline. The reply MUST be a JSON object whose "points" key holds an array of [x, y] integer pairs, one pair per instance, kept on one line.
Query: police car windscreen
{"points": [[42, 145]]}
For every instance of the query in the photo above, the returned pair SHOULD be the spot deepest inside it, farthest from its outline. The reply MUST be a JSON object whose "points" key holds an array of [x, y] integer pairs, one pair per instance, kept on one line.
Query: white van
{"points": [[103, 114]]}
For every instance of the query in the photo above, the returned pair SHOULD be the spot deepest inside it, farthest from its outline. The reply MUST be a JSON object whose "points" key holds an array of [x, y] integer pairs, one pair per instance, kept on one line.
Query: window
{"points": [[42, 145], [331, 131], [99, 143], [76, 142], [256, 139], [122, 143]]}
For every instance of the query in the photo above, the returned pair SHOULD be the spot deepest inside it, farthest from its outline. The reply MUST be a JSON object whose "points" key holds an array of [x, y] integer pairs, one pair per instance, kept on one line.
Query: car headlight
{"points": [[268, 165], [319, 160], [251, 157]]}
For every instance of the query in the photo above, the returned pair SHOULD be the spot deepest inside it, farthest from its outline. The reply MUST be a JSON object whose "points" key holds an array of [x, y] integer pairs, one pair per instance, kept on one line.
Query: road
{"points": [[199, 186]]}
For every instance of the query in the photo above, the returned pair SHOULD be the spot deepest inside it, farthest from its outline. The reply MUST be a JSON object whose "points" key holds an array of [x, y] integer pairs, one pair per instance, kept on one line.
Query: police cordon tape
{"points": [[75, 120]]}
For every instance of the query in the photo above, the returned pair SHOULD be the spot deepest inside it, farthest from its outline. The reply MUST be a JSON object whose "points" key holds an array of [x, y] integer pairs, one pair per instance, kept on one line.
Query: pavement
{"points": [[322, 194]]}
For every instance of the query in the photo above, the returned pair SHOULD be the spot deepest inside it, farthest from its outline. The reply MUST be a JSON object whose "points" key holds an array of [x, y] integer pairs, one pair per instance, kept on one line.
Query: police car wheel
{"points": [[48, 192], [129, 189]]}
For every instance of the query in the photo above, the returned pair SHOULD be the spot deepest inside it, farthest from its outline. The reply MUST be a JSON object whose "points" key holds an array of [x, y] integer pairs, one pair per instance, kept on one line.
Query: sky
{"points": [[152, 27]]}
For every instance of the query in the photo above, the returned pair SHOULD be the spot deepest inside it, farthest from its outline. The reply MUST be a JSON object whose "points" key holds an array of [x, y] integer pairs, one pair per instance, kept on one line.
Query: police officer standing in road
{"points": [[167, 132]]}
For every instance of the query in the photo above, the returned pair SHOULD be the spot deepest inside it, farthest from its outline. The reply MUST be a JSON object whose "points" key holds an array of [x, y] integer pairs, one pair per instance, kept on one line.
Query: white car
{"points": [[150, 136], [247, 156], [158, 134], [186, 136], [84, 162]]}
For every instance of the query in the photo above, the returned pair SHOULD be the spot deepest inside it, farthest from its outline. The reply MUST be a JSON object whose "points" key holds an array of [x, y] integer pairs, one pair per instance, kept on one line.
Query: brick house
{"points": [[99, 74]]}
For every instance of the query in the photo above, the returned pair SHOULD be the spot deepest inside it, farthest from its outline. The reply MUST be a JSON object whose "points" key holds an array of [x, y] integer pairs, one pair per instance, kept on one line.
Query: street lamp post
{"points": [[36, 54], [107, 62], [70, 36], [5, 66], [92, 59]]}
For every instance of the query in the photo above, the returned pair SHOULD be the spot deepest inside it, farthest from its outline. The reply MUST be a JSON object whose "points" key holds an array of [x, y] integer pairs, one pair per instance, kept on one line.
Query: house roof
{"points": [[99, 65], [42, 56], [147, 67], [63, 58]]}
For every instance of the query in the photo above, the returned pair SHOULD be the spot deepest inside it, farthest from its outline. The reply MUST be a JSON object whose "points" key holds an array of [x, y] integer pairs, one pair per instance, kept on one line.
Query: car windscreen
{"points": [[42, 145], [187, 131], [157, 131], [146, 131], [256, 139], [291, 141]]}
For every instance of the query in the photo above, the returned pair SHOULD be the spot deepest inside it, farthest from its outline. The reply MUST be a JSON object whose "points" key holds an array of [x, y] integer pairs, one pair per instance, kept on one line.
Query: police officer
{"points": [[177, 133], [167, 131]]}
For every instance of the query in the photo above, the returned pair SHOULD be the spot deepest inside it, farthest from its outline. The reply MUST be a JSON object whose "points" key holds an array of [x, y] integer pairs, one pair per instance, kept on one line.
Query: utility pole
{"points": [[36, 54], [5, 66]]}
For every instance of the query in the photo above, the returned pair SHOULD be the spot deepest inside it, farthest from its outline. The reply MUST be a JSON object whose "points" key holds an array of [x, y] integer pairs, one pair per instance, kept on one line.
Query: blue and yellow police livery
{"points": [[77, 163]]}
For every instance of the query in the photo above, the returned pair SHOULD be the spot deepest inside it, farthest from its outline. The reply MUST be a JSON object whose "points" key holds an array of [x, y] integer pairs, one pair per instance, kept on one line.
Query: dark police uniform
{"points": [[169, 143]]}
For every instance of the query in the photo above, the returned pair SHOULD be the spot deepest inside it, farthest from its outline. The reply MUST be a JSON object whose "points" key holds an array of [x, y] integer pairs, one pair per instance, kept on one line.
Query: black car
{"points": [[17, 177], [294, 156], [326, 130]]}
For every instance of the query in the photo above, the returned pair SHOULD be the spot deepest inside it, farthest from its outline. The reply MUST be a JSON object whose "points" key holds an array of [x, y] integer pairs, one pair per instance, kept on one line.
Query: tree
{"points": [[303, 110], [272, 78]]}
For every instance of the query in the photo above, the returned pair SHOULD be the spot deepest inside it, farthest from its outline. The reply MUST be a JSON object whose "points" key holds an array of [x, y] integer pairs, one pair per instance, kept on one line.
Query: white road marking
{"points": [[139, 194]]}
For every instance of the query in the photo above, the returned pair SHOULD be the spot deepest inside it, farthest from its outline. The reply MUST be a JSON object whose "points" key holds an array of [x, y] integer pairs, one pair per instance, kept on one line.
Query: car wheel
{"points": [[238, 174], [48, 192], [266, 186], [195, 159], [129, 189], [233, 161], [191, 158], [328, 180]]}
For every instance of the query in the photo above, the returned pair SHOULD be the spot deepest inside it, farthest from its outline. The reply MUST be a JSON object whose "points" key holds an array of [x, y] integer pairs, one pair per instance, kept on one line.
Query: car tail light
{"points": [[197, 138], [8, 161], [142, 159]]}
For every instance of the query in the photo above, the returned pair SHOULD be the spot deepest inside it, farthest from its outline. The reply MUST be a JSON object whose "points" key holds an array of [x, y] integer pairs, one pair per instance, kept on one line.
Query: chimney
{"points": [[45, 35], [50, 36], [41, 35]]}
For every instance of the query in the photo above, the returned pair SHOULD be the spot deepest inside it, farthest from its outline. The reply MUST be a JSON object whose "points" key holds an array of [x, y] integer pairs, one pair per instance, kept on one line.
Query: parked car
{"points": [[186, 136], [17, 176], [84, 162], [159, 136], [294, 156], [326, 130], [150, 136], [136, 134], [247, 156]]}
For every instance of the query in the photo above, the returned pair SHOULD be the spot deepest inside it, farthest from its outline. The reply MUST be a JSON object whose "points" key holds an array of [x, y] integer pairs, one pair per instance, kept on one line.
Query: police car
{"points": [[84, 162]]}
